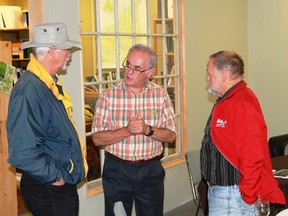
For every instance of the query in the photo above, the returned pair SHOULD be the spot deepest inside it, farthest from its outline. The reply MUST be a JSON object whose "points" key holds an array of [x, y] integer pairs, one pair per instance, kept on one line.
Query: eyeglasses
{"points": [[126, 64], [68, 50]]}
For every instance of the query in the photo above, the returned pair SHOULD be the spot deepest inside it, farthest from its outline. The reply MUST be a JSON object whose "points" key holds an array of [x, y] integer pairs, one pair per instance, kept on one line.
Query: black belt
{"points": [[158, 157], [211, 184]]}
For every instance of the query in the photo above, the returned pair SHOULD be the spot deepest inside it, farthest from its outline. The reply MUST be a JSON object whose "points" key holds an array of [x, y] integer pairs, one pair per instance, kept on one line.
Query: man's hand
{"points": [[59, 183], [137, 125]]}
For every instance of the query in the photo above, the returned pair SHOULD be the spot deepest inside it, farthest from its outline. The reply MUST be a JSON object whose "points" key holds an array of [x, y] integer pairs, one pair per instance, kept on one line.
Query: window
{"points": [[108, 29]]}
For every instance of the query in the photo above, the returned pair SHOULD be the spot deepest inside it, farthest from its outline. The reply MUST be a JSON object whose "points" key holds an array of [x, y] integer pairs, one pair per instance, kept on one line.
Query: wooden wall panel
{"points": [[5, 52], [8, 193]]}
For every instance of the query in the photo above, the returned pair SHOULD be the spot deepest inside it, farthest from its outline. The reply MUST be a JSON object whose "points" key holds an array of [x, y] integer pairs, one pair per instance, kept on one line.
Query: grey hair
{"points": [[40, 52], [230, 61], [145, 49]]}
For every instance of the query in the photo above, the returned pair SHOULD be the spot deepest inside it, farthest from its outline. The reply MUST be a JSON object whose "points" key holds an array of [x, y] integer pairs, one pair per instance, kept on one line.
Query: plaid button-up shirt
{"points": [[117, 105]]}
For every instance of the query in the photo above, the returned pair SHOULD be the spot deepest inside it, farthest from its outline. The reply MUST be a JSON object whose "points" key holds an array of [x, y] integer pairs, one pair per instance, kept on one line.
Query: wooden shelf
{"points": [[14, 29], [23, 59], [91, 94], [16, 36]]}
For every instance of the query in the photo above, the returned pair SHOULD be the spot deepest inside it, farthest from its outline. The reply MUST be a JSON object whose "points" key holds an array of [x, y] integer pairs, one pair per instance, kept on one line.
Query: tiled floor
{"points": [[187, 209]]}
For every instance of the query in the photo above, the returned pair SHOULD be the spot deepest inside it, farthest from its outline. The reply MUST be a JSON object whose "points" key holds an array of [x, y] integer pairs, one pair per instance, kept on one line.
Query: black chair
{"points": [[278, 144], [193, 165]]}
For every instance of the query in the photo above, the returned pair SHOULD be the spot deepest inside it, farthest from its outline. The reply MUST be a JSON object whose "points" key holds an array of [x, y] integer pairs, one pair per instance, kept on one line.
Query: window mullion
{"points": [[133, 21], [99, 48], [117, 39], [148, 11], [164, 44]]}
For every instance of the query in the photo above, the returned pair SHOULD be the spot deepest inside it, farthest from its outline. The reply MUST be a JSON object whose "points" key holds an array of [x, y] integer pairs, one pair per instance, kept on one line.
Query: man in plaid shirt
{"points": [[132, 119]]}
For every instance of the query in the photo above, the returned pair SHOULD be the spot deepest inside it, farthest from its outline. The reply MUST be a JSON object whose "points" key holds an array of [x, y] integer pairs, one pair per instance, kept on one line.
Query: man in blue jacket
{"points": [[42, 138]]}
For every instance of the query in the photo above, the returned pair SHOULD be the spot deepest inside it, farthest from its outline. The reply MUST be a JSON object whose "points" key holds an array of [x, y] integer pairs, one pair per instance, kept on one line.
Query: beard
{"points": [[64, 67], [213, 91], [66, 63]]}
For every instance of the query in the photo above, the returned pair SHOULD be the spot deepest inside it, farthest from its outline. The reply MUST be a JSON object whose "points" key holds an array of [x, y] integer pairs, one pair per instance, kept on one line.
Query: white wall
{"points": [[211, 26], [268, 60]]}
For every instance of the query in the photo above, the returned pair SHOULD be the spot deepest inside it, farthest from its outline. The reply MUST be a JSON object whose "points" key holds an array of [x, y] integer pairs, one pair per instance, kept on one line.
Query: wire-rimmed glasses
{"points": [[127, 65]]}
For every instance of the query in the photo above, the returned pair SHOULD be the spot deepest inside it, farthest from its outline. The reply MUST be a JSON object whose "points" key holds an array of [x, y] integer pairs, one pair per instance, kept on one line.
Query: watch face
{"points": [[151, 131]]}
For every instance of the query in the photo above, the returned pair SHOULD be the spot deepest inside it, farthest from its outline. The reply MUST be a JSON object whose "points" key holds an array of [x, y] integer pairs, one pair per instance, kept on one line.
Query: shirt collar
{"points": [[228, 92], [148, 85]]}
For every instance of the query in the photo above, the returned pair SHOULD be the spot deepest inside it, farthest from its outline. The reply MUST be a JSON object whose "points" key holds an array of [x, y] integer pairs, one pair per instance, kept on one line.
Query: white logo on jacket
{"points": [[221, 123]]}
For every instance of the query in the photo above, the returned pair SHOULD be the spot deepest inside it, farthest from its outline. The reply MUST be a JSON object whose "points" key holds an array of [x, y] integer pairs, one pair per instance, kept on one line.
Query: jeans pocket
{"points": [[218, 192]]}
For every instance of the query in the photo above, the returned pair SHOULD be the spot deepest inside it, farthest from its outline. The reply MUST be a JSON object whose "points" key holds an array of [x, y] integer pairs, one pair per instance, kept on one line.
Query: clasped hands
{"points": [[137, 125]]}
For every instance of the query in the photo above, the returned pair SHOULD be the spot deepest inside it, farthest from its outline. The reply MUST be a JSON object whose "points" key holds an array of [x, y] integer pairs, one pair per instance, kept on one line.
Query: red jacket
{"points": [[239, 131]]}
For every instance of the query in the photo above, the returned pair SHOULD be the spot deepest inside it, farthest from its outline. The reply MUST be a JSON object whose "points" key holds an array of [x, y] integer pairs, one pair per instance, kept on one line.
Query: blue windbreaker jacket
{"points": [[42, 141]]}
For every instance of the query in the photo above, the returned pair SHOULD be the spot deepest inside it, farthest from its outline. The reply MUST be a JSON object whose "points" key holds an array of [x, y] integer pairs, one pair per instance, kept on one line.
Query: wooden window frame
{"points": [[95, 186]]}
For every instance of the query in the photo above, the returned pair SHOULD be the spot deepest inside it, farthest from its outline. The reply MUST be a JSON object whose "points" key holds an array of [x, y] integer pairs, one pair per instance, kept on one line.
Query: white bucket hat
{"points": [[50, 35]]}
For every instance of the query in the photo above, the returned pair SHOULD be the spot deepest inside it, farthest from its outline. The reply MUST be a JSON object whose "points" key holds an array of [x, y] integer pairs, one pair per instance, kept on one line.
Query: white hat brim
{"points": [[62, 45]]}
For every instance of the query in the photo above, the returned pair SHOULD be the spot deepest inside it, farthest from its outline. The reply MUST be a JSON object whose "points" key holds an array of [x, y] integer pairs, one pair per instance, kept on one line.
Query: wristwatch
{"points": [[150, 131]]}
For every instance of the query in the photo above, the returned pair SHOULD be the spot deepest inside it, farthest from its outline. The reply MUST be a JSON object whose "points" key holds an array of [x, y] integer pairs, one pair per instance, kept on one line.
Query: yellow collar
{"points": [[35, 67]]}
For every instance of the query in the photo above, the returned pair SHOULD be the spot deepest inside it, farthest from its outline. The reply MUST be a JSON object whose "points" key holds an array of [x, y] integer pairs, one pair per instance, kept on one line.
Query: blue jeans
{"points": [[227, 200]]}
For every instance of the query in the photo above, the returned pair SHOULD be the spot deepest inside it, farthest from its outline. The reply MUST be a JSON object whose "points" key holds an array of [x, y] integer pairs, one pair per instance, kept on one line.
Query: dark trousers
{"points": [[48, 200], [142, 183]]}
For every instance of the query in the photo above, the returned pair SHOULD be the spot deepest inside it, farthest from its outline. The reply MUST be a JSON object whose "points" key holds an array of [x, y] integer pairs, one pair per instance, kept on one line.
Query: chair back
{"points": [[193, 165], [278, 145]]}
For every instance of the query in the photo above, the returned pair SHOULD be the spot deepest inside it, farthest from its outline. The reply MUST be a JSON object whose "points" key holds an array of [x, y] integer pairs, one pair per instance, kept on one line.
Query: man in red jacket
{"points": [[235, 159]]}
